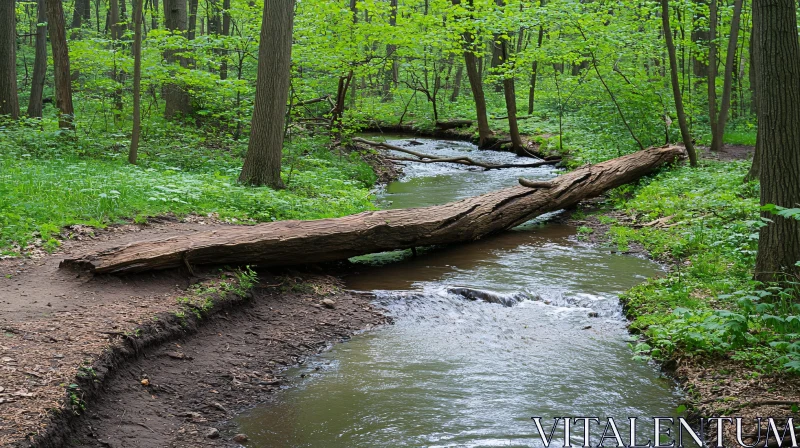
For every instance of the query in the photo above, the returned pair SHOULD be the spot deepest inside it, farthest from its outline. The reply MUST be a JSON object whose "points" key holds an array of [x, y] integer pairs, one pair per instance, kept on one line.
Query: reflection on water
{"points": [[455, 372]]}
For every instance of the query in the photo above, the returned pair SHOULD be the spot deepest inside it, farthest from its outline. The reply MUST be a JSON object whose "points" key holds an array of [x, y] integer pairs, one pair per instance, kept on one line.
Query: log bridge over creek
{"points": [[285, 243]]}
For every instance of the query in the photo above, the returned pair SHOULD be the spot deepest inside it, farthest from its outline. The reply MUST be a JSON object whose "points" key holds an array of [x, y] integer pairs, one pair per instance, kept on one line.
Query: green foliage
{"points": [[49, 180], [708, 304]]}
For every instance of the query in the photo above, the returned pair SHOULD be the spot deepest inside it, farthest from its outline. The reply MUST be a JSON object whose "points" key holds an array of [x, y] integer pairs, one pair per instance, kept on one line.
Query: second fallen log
{"points": [[300, 242]]}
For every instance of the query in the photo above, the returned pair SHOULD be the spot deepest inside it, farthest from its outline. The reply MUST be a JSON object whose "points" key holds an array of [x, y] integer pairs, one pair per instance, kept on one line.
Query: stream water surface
{"points": [[455, 372]]}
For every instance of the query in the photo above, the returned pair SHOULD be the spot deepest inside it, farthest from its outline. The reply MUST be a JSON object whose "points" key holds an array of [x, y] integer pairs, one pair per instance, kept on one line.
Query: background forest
{"points": [[588, 80]]}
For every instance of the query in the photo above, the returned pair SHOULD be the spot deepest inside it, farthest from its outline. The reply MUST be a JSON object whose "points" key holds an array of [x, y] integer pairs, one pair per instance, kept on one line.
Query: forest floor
{"points": [[65, 335], [698, 224]]}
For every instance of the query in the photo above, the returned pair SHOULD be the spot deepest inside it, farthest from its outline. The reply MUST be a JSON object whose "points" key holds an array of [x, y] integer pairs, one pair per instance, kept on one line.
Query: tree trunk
{"points": [[137, 81], [192, 29], [78, 13], [718, 138], [535, 70], [699, 34], [61, 71], [511, 99], [391, 76], [712, 67], [39, 62], [175, 96], [476, 85], [676, 88], [262, 164], [9, 98], [301, 242], [778, 64], [154, 15], [226, 31], [457, 83]]}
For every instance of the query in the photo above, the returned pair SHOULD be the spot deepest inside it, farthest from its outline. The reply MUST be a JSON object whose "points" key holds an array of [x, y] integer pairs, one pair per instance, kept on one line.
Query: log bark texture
{"points": [[301, 242]]}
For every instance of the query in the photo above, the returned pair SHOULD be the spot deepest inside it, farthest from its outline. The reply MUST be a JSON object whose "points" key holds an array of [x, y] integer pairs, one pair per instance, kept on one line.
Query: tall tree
{"points": [[39, 62], [509, 93], [175, 96], [9, 99], [192, 29], [535, 67], [676, 87], [717, 139], [712, 66], [475, 84], [137, 80], [777, 58], [262, 164], [226, 31], [58, 44]]}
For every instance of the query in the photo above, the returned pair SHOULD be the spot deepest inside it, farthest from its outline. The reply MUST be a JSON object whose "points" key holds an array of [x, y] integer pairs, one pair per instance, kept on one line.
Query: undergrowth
{"points": [[707, 305], [53, 179]]}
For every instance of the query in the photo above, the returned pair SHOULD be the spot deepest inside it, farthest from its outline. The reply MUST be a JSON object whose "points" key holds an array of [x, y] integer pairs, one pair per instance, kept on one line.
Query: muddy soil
{"points": [[182, 393]]}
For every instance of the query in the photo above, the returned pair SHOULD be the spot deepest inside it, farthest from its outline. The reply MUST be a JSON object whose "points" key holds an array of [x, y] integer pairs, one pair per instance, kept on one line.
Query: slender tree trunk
{"points": [[9, 98], [137, 81], [676, 88], [61, 71], [262, 164], [78, 13], [778, 65], [476, 85], [226, 31], [154, 15], [192, 30], [535, 70], [176, 98], [39, 62], [718, 138], [510, 96], [699, 34], [391, 75], [457, 83], [712, 67]]}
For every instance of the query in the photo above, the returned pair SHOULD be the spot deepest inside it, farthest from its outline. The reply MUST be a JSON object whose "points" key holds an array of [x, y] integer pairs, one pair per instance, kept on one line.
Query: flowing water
{"points": [[455, 372]]}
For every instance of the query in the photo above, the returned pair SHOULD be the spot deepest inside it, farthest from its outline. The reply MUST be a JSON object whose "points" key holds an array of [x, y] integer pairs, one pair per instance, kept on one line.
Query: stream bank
{"points": [[701, 224]]}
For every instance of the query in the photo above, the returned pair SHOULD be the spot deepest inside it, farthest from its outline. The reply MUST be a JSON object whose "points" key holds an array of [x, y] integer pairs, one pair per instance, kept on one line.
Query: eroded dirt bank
{"points": [[75, 348], [181, 393]]}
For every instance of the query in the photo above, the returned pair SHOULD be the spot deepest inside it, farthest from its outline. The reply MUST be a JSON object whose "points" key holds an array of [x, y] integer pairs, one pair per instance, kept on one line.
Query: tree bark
{"points": [[192, 29], [176, 97], [535, 69], [777, 59], [457, 83], [226, 31], [137, 81], [712, 67], [63, 81], [676, 88], [9, 98], [718, 137], [262, 164], [476, 85], [511, 102], [391, 76], [78, 13], [39, 62], [301, 242]]}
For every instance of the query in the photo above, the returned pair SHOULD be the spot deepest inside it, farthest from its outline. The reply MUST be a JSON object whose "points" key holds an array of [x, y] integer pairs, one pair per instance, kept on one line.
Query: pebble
{"points": [[240, 438], [212, 433], [594, 314], [329, 303]]}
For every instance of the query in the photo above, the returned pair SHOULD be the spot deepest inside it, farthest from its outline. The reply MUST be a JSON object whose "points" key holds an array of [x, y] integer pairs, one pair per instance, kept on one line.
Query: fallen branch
{"points": [[461, 160], [285, 243]]}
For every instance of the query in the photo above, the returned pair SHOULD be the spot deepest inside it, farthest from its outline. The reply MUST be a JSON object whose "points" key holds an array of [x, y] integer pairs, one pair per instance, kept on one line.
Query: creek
{"points": [[457, 371]]}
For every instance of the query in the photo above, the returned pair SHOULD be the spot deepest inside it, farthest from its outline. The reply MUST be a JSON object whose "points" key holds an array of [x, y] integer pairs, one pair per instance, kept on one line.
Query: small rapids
{"points": [[485, 336]]}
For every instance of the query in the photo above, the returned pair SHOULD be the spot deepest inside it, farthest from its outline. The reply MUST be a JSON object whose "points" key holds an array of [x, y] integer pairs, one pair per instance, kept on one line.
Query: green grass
{"points": [[707, 305], [48, 181]]}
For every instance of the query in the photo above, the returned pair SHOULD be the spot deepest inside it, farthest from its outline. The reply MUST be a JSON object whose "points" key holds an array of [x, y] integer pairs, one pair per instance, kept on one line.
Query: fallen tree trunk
{"points": [[301, 242], [460, 160]]}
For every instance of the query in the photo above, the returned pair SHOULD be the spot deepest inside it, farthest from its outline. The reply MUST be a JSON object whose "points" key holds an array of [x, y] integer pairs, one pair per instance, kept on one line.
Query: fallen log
{"points": [[460, 160], [301, 242]]}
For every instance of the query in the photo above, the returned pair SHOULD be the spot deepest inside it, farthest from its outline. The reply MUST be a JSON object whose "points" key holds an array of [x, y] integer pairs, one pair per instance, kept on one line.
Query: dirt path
{"points": [[64, 334]]}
